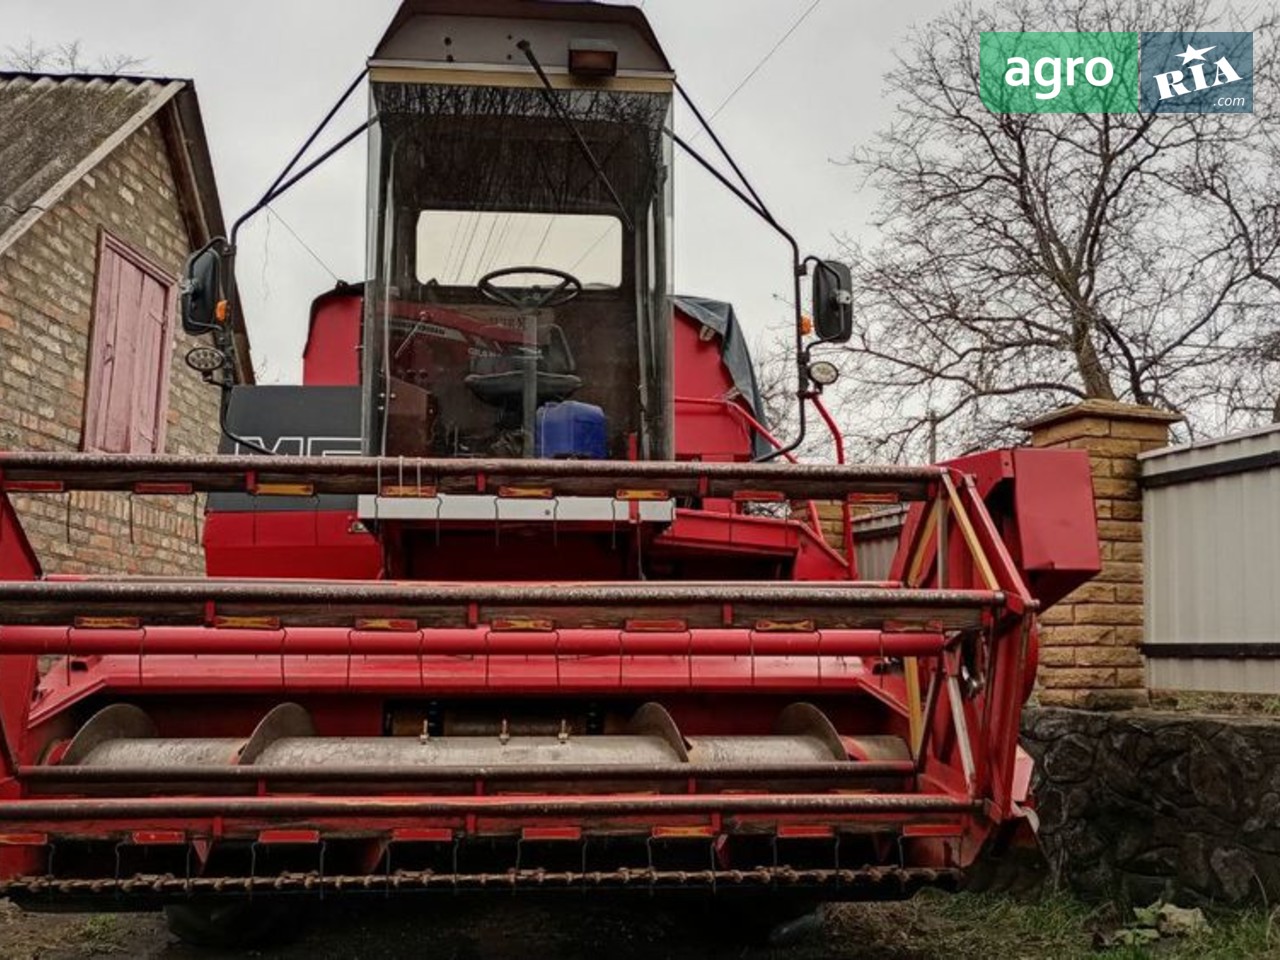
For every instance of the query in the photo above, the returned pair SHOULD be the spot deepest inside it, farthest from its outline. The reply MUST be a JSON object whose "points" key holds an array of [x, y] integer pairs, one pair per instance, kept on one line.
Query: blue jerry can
{"points": [[572, 430]]}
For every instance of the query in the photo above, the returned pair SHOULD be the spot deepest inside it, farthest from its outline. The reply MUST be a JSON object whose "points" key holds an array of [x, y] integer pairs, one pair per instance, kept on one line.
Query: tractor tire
{"points": [[756, 922], [231, 924]]}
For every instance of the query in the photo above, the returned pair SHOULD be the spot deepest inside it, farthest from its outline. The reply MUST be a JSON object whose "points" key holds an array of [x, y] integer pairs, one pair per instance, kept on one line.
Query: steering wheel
{"points": [[533, 297]]}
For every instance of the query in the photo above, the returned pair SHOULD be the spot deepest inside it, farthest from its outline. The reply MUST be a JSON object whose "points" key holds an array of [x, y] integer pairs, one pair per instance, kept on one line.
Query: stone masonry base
{"points": [[1140, 806]]}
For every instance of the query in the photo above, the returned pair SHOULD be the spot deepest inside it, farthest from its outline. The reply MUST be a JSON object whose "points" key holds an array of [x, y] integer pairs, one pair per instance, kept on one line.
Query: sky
{"points": [[267, 71]]}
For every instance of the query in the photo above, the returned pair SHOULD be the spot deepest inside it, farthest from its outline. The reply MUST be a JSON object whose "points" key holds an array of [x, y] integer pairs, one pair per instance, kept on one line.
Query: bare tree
{"points": [[1241, 184], [775, 367], [67, 57], [1027, 260]]}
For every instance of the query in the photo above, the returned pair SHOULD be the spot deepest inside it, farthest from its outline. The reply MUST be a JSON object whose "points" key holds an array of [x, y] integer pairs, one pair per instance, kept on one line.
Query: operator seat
{"points": [[499, 381]]}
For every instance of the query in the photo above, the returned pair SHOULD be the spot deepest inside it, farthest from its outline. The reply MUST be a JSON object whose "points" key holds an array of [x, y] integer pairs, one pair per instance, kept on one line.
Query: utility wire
{"points": [[461, 271], [551, 222], [305, 246], [592, 249], [483, 253], [443, 267], [764, 60]]}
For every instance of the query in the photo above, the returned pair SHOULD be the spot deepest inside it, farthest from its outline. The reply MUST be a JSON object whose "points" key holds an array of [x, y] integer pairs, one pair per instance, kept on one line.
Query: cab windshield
{"points": [[516, 309], [455, 248]]}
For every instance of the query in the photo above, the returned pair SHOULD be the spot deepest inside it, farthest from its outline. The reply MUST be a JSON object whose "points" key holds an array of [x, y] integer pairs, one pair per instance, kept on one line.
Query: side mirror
{"points": [[202, 291], [833, 302]]}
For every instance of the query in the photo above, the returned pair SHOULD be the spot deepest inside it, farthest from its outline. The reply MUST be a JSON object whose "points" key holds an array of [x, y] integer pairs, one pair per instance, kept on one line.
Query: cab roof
{"points": [[563, 11]]}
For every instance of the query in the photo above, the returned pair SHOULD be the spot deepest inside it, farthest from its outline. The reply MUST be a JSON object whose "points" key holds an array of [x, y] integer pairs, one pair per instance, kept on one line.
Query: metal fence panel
{"points": [[1211, 533], [875, 541]]}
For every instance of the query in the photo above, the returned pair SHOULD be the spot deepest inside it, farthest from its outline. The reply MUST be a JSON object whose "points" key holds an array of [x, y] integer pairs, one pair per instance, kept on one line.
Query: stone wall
{"points": [[1141, 806], [1090, 642], [47, 281]]}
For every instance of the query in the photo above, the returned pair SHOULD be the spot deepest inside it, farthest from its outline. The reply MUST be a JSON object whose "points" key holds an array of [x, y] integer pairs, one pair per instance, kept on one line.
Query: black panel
{"points": [[292, 421]]}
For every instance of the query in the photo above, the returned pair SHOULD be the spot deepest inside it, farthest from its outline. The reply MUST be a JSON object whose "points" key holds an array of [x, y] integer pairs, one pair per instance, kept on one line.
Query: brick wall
{"points": [[831, 520], [47, 281], [1090, 643]]}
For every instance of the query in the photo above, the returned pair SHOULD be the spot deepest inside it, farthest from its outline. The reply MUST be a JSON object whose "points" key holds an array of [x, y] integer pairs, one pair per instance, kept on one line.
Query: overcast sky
{"points": [[267, 71]]}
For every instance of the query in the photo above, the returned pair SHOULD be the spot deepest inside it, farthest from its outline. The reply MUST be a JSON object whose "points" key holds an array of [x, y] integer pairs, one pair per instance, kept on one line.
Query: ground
{"points": [[931, 926]]}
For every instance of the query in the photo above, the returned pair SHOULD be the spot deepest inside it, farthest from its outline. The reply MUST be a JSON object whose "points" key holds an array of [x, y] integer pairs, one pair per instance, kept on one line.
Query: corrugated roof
{"points": [[55, 128], [52, 123]]}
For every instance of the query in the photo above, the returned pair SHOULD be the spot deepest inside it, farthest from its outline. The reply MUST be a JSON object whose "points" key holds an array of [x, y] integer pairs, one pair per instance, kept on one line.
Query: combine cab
{"points": [[516, 591]]}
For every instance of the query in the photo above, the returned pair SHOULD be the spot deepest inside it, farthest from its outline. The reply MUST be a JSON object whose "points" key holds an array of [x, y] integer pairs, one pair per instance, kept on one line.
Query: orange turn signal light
{"points": [[522, 625], [784, 626], [404, 491], [656, 626], [107, 623], [387, 624], [285, 490], [246, 623], [526, 493], [680, 833], [23, 839]]}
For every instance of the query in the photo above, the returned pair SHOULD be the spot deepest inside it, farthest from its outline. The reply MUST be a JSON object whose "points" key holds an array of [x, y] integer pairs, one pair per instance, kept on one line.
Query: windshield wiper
{"points": [[549, 93]]}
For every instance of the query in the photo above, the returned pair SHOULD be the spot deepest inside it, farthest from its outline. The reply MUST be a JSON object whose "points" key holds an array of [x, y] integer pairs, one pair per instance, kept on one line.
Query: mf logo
{"points": [[1180, 72], [1197, 72], [307, 446]]}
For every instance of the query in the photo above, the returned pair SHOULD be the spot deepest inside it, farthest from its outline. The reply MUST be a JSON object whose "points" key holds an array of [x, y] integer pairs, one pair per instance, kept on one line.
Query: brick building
{"points": [[106, 186]]}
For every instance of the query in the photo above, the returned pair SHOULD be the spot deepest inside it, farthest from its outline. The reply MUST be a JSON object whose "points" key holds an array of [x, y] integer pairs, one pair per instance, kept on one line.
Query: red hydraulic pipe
{"points": [[815, 520], [102, 811], [474, 641], [833, 770]]}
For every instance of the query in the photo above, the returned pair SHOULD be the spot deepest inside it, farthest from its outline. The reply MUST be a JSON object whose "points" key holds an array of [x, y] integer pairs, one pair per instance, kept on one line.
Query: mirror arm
{"points": [[316, 132], [706, 125], [799, 271], [279, 189], [758, 209], [224, 340], [282, 184], [802, 368], [223, 336], [275, 189], [224, 406]]}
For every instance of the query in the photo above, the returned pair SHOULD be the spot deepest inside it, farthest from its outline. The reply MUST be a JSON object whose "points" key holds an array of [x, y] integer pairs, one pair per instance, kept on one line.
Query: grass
{"points": [[938, 926], [102, 932]]}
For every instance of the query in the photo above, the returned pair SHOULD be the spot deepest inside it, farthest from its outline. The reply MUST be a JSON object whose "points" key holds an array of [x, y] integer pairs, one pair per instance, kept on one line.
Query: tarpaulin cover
{"points": [[734, 352]]}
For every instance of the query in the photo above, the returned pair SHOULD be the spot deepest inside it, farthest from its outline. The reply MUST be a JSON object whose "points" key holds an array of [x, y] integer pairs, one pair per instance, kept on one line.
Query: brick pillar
{"points": [[1089, 643]]}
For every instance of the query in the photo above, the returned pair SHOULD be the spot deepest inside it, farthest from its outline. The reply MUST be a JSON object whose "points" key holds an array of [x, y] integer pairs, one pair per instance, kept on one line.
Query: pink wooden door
{"points": [[127, 390]]}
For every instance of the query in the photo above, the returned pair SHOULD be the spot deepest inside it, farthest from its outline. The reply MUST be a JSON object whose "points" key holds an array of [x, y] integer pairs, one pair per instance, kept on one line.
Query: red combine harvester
{"points": [[514, 591]]}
